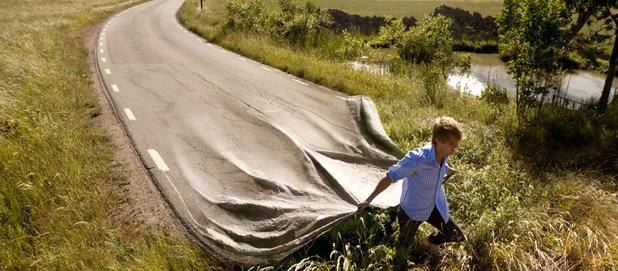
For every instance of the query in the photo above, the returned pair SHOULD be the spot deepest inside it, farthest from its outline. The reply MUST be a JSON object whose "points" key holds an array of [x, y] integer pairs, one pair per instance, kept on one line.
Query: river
{"points": [[578, 86]]}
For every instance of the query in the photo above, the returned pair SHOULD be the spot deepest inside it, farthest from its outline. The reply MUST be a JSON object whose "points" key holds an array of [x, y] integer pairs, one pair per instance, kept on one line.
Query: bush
{"points": [[390, 34], [245, 16], [428, 42], [572, 139], [299, 24], [351, 48], [495, 95], [484, 47]]}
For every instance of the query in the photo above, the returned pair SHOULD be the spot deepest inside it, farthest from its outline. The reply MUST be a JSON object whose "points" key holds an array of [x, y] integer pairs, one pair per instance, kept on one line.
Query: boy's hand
{"points": [[362, 206]]}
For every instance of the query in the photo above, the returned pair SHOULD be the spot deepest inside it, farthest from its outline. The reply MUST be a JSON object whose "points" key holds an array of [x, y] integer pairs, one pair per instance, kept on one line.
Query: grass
{"points": [[404, 8], [59, 186], [517, 216]]}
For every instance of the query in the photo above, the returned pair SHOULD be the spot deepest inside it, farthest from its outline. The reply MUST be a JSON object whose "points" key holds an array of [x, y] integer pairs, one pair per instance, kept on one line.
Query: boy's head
{"points": [[447, 131]]}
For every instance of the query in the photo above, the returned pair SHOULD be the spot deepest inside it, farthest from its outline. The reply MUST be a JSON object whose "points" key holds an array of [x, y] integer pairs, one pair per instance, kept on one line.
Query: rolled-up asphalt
{"points": [[253, 161]]}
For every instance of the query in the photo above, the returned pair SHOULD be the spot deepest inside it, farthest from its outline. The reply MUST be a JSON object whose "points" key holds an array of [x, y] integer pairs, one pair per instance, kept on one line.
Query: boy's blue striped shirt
{"points": [[422, 185]]}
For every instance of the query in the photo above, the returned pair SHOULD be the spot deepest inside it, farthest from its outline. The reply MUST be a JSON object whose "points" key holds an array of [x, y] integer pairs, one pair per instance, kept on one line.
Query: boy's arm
{"points": [[381, 186]]}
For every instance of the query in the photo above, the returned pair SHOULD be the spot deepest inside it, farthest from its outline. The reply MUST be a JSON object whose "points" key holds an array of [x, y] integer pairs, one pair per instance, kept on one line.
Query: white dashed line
{"points": [[107, 71], [158, 160], [100, 44], [101, 50], [241, 58], [300, 82], [104, 59], [267, 69], [129, 114], [115, 88]]}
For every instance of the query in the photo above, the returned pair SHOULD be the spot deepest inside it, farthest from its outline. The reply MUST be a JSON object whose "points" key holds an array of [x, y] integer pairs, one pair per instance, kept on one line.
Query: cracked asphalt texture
{"points": [[259, 164]]}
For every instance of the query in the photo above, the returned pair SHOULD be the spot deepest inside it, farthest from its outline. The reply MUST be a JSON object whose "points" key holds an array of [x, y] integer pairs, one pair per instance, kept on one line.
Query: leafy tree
{"points": [[299, 23], [352, 46], [246, 15], [595, 12], [530, 33], [391, 33], [429, 41], [611, 22]]}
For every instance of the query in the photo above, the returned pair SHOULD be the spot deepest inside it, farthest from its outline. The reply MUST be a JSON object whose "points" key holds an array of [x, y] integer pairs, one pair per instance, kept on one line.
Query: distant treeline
{"points": [[472, 31], [366, 25]]}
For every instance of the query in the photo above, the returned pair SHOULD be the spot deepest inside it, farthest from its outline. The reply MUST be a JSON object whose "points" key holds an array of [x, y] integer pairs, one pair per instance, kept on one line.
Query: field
{"points": [[403, 8]]}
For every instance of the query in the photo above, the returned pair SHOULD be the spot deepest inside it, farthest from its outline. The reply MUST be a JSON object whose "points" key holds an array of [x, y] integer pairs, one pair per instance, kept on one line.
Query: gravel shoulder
{"points": [[142, 202]]}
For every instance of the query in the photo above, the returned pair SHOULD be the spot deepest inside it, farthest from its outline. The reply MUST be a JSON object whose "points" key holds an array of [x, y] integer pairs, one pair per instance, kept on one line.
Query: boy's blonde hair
{"points": [[445, 127]]}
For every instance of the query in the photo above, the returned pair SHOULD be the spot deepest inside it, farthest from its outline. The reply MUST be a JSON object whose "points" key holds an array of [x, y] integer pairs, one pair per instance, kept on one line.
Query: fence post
{"points": [[567, 87], [201, 4]]}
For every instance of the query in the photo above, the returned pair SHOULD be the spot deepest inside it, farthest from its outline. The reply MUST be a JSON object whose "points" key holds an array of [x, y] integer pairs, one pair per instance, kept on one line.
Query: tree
{"points": [[595, 12], [575, 15], [428, 42], [611, 71], [530, 34], [299, 22]]}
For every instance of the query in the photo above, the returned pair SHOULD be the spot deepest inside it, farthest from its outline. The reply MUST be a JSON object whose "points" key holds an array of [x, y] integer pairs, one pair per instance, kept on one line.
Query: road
{"points": [[253, 161]]}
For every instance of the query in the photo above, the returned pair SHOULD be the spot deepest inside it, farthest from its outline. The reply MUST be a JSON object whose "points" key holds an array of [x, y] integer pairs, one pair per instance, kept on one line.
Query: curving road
{"points": [[253, 161]]}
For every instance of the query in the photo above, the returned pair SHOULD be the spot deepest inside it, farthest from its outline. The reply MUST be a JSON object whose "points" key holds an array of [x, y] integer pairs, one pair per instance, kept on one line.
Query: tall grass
{"points": [[516, 215], [59, 187]]}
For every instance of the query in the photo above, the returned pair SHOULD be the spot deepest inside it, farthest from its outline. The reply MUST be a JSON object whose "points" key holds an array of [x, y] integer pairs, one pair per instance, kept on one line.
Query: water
{"points": [[576, 87]]}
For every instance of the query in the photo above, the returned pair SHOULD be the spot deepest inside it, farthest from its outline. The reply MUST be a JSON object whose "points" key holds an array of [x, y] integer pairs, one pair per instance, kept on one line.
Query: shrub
{"points": [[428, 42], [495, 95], [299, 24], [245, 16], [574, 139], [390, 34], [352, 46]]}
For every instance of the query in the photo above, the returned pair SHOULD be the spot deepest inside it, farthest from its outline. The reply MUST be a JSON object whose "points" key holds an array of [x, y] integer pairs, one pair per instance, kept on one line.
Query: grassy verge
{"points": [[58, 184], [516, 216]]}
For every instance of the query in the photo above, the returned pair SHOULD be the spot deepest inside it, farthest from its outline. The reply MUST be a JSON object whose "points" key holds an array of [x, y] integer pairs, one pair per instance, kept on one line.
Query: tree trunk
{"points": [[611, 72], [582, 19]]}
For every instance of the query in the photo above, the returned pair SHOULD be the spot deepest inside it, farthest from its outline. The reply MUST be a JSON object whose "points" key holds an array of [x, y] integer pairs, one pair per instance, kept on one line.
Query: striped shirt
{"points": [[422, 185]]}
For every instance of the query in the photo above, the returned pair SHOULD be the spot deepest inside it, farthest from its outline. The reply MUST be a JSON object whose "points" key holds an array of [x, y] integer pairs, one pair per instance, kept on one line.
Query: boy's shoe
{"points": [[434, 250]]}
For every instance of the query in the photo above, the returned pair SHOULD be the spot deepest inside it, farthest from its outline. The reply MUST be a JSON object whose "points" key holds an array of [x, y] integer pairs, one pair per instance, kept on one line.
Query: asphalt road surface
{"points": [[253, 161]]}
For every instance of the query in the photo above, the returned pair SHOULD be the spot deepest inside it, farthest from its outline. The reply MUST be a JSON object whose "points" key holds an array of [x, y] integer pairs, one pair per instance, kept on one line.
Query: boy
{"points": [[422, 197]]}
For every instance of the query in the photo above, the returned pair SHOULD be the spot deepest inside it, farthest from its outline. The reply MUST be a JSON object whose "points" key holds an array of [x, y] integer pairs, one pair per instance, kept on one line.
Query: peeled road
{"points": [[253, 161]]}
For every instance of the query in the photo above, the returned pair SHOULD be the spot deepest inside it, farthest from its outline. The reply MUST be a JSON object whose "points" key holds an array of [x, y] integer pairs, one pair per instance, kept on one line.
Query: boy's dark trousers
{"points": [[447, 232]]}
